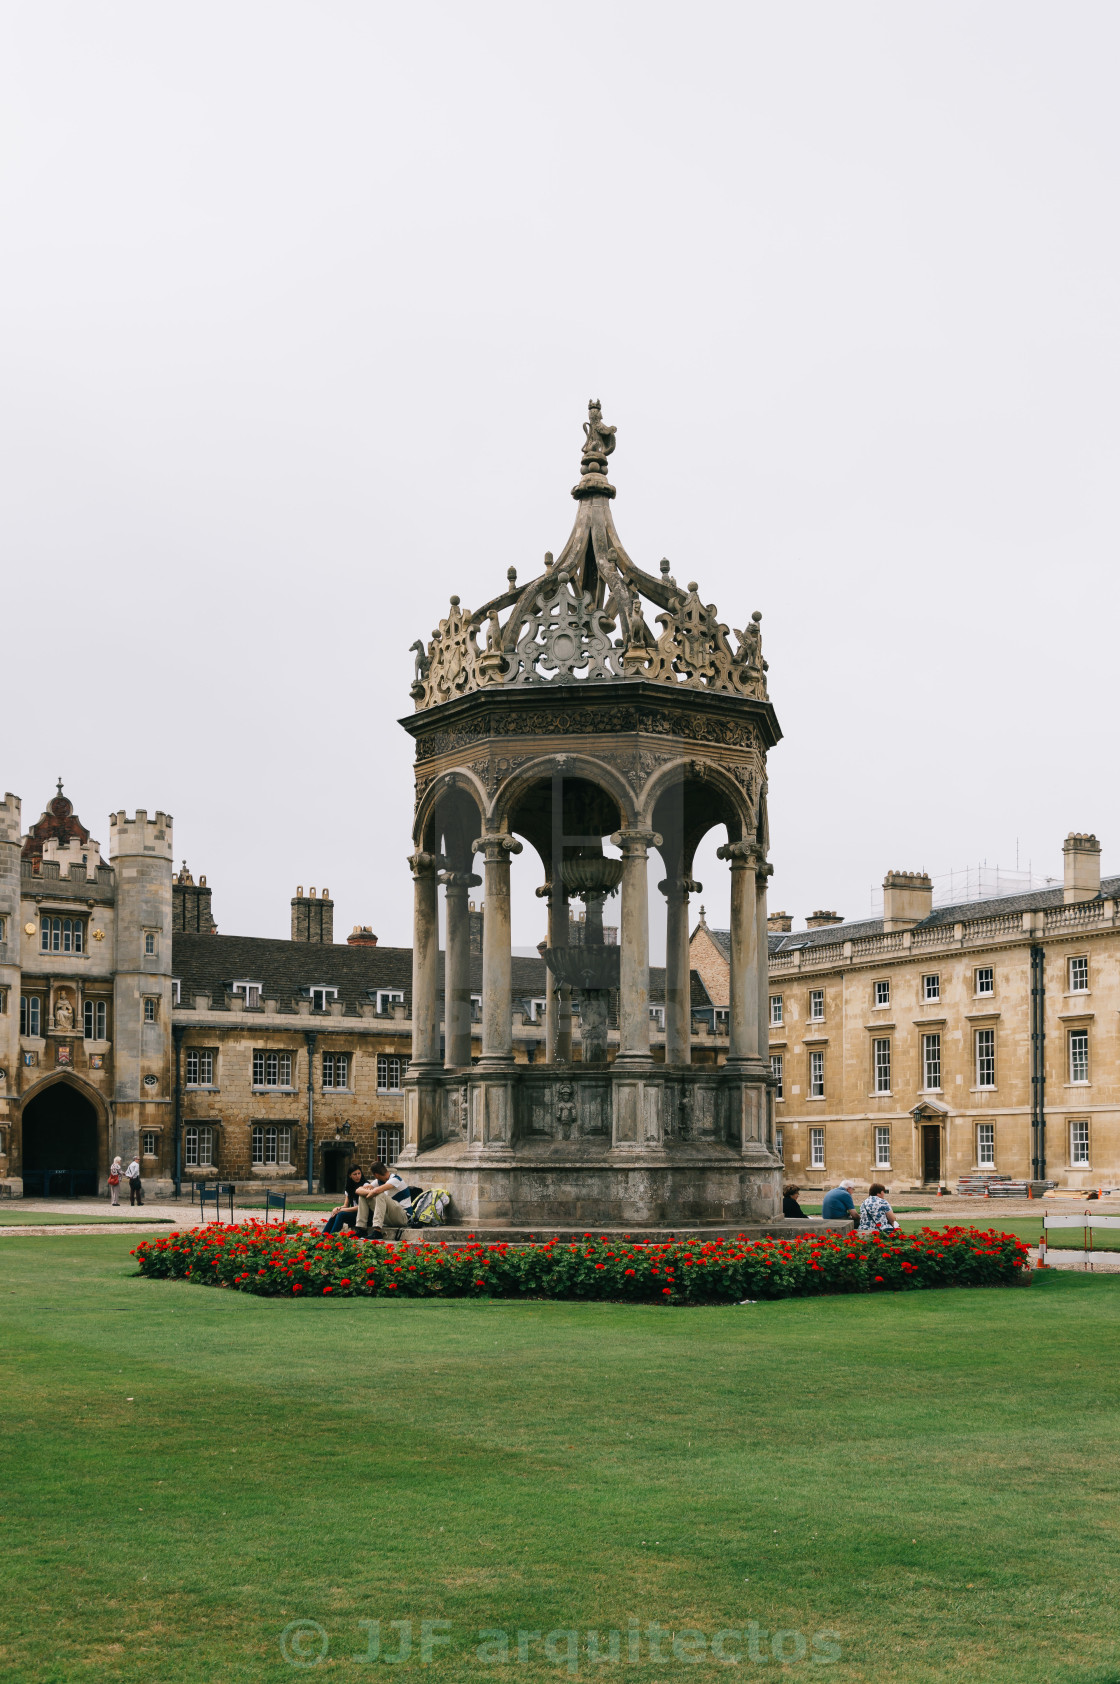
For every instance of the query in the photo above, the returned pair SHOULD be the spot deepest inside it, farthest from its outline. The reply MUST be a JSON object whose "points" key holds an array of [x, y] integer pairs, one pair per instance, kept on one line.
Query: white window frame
{"points": [[253, 992], [388, 997], [931, 987], [176, 991], [538, 1005], [95, 1020], [779, 1143], [985, 1146], [882, 993], [147, 1151], [391, 1067], [882, 1146], [269, 1065], [151, 944], [476, 1008], [1078, 978], [816, 1074], [985, 1055], [816, 998], [776, 1008], [1078, 1044], [335, 1063], [881, 1064], [61, 935], [198, 1146], [1079, 1157], [390, 1142], [151, 1008], [777, 1070], [31, 1015], [816, 1148], [931, 1062], [318, 994], [271, 1144], [657, 1015], [982, 974], [202, 1059]]}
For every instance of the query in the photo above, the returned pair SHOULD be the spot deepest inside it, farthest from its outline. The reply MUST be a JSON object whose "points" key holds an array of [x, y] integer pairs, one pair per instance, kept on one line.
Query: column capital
{"points": [[683, 886], [422, 865], [495, 845], [746, 854], [459, 879], [635, 842]]}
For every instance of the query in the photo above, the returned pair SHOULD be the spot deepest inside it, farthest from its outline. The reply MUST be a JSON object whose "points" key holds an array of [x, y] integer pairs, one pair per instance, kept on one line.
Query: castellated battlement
{"points": [[10, 819], [144, 836]]}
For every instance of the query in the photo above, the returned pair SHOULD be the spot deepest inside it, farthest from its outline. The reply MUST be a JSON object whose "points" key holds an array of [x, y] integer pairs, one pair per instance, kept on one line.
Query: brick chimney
{"points": [[361, 936], [312, 917], [818, 920], [779, 923], [190, 905], [907, 899], [1082, 857]]}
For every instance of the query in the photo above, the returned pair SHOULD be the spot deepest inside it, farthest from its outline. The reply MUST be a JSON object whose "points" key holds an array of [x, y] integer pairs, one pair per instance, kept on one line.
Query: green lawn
{"points": [[13, 1216], [933, 1477]]}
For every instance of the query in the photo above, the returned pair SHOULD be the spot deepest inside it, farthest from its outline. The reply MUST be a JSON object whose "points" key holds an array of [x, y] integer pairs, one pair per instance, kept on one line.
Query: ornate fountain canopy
{"points": [[584, 620]]}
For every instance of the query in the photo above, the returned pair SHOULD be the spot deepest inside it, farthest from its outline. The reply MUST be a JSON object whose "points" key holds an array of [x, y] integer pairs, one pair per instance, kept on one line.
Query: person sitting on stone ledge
{"points": [[790, 1206], [345, 1215], [378, 1208]]}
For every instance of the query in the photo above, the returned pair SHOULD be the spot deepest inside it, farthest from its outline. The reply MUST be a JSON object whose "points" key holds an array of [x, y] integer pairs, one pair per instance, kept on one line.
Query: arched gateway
{"points": [[61, 1130], [556, 716]]}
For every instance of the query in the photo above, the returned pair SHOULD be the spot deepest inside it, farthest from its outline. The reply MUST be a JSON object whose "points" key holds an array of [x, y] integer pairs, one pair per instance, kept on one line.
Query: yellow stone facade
{"points": [[909, 1049]]}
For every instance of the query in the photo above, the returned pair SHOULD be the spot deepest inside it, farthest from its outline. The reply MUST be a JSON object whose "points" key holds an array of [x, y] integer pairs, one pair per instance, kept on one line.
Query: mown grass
{"points": [[933, 1477]]}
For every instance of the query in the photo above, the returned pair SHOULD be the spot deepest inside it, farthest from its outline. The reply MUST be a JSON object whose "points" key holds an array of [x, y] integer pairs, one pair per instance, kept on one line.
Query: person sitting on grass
{"points": [[875, 1213], [346, 1214], [790, 1206], [377, 1207]]}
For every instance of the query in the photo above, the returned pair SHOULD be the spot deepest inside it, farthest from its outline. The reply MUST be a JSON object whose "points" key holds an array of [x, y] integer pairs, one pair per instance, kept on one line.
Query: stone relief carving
{"points": [[694, 727]]}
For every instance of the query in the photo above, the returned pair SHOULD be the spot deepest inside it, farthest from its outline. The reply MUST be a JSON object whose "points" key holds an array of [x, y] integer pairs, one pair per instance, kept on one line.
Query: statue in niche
{"points": [[63, 1013], [567, 1112]]}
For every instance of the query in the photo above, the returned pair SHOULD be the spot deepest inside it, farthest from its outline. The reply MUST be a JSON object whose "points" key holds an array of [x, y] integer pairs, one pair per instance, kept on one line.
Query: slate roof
{"points": [[207, 964], [1034, 900]]}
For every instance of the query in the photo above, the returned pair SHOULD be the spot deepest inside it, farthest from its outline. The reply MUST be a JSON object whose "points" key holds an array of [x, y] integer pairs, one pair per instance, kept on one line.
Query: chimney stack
{"points": [[818, 920], [779, 923], [312, 917], [1082, 858], [361, 936], [907, 899]]}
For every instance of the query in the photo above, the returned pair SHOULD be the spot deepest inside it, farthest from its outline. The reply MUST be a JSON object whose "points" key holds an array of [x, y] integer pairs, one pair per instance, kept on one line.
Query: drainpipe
{"points": [[311, 1039], [1038, 1063], [177, 1039]]}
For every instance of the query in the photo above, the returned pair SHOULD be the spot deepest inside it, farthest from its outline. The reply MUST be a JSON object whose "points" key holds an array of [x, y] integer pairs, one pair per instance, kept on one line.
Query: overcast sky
{"points": [[303, 304]]}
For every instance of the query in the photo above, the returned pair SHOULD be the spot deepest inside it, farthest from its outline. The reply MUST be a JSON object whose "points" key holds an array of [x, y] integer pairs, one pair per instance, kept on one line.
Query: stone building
{"points": [[938, 1042], [129, 1024]]}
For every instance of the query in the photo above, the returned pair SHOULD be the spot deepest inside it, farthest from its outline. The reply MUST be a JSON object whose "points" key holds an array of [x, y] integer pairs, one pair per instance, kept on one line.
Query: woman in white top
{"points": [[115, 1173]]}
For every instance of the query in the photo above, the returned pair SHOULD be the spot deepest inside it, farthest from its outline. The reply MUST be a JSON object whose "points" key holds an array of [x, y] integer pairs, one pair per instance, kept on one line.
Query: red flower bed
{"points": [[278, 1261]]}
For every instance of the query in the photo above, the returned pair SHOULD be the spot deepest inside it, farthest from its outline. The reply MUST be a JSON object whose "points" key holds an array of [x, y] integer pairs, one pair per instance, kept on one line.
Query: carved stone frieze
{"points": [[601, 721]]}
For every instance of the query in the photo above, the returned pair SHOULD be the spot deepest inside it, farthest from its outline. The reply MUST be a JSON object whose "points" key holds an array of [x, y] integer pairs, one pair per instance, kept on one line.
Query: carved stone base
{"points": [[560, 1144]]}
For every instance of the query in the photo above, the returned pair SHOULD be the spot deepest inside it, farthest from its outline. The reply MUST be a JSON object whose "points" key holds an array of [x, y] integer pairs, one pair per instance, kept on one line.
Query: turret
{"points": [[140, 850]]}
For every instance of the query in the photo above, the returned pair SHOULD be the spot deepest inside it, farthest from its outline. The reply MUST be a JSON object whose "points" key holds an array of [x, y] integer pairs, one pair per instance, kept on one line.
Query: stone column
{"points": [[633, 1010], [743, 1042], [678, 978], [497, 1020], [763, 871], [425, 961], [457, 969], [558, 1009]]}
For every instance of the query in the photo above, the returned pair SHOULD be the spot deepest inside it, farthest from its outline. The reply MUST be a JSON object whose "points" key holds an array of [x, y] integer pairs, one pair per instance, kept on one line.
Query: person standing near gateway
{"points": [[115, 1173], [135, 1185], [838, 1203]]}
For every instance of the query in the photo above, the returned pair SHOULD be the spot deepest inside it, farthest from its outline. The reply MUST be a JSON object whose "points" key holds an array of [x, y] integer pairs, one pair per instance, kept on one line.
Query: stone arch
{"points": [[458, 780], [36, 1111], [714, 797], [582, 766]]}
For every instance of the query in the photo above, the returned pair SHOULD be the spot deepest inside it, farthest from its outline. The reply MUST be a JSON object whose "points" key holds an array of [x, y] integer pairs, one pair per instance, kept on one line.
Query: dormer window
{"points": [[537, 1009], [387, 998], [249, 991], [657, 1016], [321, 996], [176, 991]]}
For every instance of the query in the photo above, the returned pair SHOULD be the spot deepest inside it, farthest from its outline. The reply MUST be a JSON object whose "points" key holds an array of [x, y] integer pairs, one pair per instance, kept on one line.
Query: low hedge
{"points": [[293, 1260]]}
